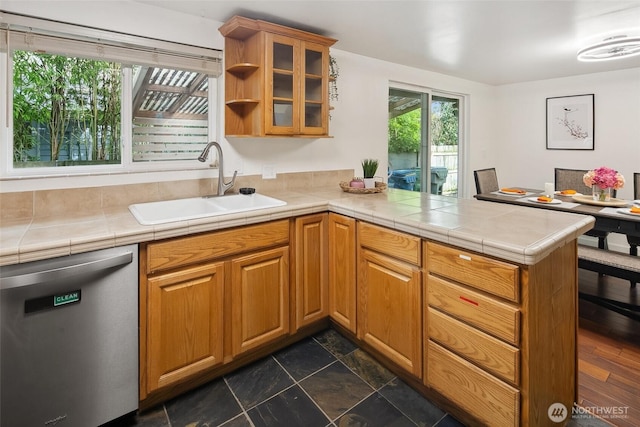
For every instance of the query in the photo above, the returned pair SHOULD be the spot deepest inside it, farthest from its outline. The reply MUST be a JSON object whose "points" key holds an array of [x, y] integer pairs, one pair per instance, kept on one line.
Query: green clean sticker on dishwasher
{"points": [[68, 298]]}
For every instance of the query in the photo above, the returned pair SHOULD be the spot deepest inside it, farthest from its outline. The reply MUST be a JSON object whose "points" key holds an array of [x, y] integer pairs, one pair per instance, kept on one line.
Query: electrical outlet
{"points": [[268, 172]]}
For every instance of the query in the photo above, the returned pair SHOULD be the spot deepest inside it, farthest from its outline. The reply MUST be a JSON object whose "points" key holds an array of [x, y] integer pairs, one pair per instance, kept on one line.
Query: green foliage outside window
{"points": [[65, 105], [404, 130], [444, 123], [404, 133]]}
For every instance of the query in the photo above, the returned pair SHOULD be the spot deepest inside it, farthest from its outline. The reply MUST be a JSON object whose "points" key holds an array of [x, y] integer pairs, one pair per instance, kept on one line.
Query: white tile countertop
{"points": [[513, 233]]}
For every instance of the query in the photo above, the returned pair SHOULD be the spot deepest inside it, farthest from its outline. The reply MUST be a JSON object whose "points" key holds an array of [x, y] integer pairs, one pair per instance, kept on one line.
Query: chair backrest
{"points": [[571, 179], [636, 185], [486, 180]]}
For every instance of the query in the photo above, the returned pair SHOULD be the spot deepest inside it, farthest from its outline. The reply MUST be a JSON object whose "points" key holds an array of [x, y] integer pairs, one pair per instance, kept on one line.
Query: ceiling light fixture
{"points": [[615, 47]]}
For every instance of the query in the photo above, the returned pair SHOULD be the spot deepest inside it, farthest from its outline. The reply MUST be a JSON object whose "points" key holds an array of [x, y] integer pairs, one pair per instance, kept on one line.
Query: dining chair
{"points": [[571, 179], [634, 241], [486, 180]]}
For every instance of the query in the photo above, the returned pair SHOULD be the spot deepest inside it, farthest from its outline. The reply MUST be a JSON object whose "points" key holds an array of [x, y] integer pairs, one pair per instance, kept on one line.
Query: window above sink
{"points": [[88, 101]]}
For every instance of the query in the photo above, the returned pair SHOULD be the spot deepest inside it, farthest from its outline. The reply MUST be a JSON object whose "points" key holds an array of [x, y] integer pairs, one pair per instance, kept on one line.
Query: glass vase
{"points": [[601, 194]]}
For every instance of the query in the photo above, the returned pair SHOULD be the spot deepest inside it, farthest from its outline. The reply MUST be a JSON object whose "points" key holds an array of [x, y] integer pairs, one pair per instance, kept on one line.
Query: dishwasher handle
{"points": [[65, 272]]}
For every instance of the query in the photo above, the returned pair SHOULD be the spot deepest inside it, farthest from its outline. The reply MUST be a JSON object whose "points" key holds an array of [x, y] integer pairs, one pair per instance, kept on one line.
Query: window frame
{"points": [[426, 96], [125, 49]]}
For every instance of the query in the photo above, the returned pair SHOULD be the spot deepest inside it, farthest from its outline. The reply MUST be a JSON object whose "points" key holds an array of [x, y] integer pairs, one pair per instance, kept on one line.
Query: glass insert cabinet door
{"points": [[297, 91], [315, 90], [283, 61]]}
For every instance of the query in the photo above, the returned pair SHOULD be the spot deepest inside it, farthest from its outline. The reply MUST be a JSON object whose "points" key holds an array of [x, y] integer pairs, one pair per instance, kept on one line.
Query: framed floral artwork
{"points": [[570, 122]]}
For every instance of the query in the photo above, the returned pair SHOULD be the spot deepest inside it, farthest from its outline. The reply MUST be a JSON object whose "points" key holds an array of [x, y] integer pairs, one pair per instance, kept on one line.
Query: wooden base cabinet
{"points": [[259, 299], [490, 400], [311, 269], [209, 298], [495, 342], [500, 339], [185, 327], [390, 294], [342, 271]]}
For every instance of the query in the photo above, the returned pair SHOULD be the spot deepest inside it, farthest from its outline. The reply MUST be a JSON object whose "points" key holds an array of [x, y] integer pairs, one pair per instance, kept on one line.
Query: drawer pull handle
{"points": [[470, 301], [465, 257]]}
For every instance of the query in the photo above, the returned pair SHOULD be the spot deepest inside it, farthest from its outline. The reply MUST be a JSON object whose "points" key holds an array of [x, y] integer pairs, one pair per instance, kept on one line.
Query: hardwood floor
{"points": [[609, 352]]}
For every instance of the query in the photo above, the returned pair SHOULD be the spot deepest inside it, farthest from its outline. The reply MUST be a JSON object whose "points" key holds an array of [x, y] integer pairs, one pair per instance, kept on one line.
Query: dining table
{"points": [[612, 217]]}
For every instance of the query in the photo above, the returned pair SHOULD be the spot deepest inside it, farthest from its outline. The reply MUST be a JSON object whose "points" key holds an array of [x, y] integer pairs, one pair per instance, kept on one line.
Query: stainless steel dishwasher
{"points": [[69, 340]]}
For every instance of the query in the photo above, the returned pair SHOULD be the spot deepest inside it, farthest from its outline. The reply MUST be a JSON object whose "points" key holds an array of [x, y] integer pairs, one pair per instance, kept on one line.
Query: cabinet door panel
{"points": [[492, 354], [342, 270], [282, 91], [489, 275], [314, 89], [185, 326], [173, 253], [389, 309], [485, 313], [494, 402], [396, 244], [260, 298], [311, 269]]}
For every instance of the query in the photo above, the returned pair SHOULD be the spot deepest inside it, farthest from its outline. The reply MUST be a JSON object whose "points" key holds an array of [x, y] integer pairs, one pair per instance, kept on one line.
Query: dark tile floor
{"points": [[321, 381]]}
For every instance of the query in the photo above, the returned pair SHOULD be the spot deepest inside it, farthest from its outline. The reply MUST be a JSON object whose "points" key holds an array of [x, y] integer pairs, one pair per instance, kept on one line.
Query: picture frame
{"points": [[570, 122]]}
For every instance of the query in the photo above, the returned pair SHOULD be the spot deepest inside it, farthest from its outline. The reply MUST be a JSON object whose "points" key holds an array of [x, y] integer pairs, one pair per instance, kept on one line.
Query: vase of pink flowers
{"points": [[602, 181]]}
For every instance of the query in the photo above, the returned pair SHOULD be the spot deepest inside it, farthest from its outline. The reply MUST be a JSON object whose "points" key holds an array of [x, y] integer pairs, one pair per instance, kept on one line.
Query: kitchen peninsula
{"points": [[473, 303]]}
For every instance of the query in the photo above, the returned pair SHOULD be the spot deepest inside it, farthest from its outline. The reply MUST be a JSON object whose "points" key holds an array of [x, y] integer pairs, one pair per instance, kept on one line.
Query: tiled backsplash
{"points": [[85, 201]]}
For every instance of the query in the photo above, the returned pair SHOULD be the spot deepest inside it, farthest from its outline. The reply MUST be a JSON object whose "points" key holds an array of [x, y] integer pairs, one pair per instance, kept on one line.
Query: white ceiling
{"points": [[494, 42]]}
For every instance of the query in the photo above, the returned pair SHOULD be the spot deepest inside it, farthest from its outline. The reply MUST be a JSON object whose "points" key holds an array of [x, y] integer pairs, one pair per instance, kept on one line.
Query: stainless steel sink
{"points": [[200, 207]]}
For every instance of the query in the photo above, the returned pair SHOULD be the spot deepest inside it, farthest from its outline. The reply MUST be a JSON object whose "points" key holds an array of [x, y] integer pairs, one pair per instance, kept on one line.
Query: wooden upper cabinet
{"points": [[276, 80]]}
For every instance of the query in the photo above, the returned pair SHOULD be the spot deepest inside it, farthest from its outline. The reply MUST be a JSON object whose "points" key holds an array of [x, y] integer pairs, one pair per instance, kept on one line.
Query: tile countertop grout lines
{"points": [[467, 223]]}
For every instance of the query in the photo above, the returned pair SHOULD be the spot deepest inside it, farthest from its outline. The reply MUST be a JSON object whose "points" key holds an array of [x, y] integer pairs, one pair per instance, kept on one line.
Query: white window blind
{"points": [[25, 33]]}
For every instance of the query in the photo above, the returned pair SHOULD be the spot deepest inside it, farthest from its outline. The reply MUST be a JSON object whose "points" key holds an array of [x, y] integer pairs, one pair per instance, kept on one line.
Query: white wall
{"points": [[521, 128], [358, 122], [521, 131], [506, 126]]}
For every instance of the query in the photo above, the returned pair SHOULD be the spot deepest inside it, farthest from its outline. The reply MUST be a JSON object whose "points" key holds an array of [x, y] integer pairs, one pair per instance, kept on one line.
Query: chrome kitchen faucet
{"points": [[222, 186]]}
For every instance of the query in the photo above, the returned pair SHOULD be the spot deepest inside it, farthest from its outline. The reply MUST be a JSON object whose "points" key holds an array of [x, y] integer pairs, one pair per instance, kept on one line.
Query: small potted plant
{"points": [[369, 169]]}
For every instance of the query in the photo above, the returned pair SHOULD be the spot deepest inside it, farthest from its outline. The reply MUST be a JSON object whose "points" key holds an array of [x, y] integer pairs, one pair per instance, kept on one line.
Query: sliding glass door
{"points": [[424, 141]]}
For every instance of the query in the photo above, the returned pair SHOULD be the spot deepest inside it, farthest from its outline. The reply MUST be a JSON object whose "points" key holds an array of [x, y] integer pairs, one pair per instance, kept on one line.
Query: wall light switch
{"points": [[268, 172]]}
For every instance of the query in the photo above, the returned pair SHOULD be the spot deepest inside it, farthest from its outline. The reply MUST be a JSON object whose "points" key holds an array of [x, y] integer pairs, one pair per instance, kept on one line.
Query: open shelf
{"points": [[243, 68]]}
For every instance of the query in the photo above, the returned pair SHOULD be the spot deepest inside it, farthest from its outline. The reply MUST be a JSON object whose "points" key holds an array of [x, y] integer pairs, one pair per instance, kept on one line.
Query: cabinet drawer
{"points": [[499, 358], [393, 243], [189, 250], [487, 398], [488, 314], [496, 277]]}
